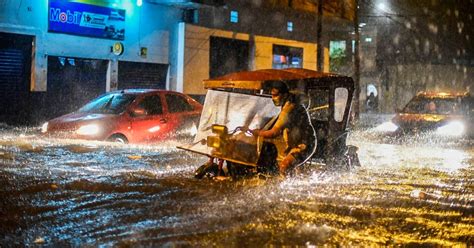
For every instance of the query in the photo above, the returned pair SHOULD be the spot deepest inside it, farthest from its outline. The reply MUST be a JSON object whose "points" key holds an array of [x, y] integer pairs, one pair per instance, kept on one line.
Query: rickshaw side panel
{"points": [[257, 84]]}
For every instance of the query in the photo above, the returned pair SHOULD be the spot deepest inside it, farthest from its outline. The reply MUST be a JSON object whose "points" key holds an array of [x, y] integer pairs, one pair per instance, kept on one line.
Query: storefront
{"points": [[84, 48], [65, 53]]}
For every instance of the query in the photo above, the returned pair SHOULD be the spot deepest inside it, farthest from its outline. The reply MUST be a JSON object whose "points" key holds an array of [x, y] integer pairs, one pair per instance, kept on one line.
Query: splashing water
{"points": [[80, 192]]}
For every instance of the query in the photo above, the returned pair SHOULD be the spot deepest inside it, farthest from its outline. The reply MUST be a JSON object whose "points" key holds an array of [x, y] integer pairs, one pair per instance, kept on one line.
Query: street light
{"points": [[382, 6]]}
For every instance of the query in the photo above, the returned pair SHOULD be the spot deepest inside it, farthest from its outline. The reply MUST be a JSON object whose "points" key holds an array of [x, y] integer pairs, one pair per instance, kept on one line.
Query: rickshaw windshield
{"points": [[232, 110]]}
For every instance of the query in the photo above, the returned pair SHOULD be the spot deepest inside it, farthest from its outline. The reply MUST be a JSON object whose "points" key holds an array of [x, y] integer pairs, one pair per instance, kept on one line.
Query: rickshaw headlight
{"points": [[220, 130], [213, 141]]}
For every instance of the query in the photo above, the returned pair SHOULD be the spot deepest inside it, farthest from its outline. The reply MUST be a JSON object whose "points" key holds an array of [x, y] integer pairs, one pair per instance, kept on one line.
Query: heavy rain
{"points": [[81, 192], [103, 103]]}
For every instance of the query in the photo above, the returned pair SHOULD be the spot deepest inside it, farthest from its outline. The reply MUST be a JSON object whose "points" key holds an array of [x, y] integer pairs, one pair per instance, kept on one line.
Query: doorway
{"points": [[227, 56]]}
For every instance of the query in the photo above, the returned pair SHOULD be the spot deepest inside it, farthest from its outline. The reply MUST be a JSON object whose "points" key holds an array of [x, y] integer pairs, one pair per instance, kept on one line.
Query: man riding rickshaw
{"points": [[273, 121]]}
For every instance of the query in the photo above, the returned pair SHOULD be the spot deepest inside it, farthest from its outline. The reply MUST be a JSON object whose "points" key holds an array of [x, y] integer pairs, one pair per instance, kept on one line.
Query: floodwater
{"points": [[68, 192]]}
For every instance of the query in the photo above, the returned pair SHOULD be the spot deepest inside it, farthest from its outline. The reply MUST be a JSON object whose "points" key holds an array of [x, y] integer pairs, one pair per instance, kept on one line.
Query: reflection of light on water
{"points": [[454, 160], [394, 156], [386, 127], [154, 129]]}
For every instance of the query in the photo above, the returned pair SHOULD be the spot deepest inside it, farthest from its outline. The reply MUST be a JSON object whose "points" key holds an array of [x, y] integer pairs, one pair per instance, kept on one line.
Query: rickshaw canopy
{"points": [[295, 78]]}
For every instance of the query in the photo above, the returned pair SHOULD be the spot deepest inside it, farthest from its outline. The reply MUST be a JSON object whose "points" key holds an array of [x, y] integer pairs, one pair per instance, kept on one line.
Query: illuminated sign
{"points": [[86, 19]]}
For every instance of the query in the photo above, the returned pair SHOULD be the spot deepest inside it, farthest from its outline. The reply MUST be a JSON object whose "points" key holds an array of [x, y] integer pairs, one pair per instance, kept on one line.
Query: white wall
{"points": [[197, 52], [147, 26]]}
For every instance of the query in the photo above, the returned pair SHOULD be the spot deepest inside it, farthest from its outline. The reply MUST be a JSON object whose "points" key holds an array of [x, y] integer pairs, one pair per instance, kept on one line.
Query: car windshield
{"points": [[439, 106], [108, 104]]}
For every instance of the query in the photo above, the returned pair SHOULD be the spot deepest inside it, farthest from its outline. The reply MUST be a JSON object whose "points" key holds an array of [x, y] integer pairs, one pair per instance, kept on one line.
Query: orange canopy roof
{"points": [[256, 79]]}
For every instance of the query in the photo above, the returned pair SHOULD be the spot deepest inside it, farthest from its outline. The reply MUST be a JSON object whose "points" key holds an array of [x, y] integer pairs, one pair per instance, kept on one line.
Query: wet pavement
{"points": [[68, 192]]}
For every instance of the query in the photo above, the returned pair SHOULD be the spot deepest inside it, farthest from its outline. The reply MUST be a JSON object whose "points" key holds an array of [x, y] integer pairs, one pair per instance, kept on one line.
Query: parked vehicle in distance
{"points": [[134, 115], [438, 113]]}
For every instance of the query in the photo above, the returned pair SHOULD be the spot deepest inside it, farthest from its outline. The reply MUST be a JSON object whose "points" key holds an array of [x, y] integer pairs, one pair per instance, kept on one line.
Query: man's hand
{"points": [[244, 129], [255, 132]]}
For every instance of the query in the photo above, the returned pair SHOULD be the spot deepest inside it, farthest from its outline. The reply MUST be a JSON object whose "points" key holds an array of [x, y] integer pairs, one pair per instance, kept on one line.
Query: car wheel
{"points": [[118, 138]]}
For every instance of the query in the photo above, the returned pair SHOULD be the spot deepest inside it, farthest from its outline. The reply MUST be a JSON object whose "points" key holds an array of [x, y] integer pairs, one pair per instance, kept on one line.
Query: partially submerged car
{"points": [[241, 101], [435, 113], [135, 115]]}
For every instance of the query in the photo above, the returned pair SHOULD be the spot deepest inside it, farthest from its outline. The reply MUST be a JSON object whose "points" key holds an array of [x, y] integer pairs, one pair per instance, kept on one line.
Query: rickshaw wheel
{"points": [[208, 169]]}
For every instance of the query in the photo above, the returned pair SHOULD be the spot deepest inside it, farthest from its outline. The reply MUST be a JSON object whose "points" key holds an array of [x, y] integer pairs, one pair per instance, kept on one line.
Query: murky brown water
{"points": [[66, 192]]}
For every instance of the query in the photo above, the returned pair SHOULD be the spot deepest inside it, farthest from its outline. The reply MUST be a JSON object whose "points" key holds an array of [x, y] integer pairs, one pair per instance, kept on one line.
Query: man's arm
{"points": [[279, 124]]}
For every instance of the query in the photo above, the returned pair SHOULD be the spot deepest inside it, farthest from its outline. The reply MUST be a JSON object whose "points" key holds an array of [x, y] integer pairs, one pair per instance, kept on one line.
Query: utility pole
{"points": [[356, 63], [319, 32]]}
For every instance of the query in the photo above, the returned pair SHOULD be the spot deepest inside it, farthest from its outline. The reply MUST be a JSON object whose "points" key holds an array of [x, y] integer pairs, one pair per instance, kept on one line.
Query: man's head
{"points": [[280, 93]]}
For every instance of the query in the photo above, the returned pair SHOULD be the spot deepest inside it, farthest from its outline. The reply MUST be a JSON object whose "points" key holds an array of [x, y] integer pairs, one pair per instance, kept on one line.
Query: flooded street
{"points": [[57, 192]]}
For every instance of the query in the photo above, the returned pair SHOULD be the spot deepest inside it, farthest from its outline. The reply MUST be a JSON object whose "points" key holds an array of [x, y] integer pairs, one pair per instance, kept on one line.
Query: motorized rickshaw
{"points": [[241, 101]]}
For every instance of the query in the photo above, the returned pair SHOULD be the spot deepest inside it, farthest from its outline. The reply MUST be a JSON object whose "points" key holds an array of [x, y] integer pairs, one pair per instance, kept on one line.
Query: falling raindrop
{"points": [[433, 28]]}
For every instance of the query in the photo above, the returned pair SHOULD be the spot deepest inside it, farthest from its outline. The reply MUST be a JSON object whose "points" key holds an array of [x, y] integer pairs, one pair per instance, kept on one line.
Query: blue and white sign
{"points": [[86, 19]]}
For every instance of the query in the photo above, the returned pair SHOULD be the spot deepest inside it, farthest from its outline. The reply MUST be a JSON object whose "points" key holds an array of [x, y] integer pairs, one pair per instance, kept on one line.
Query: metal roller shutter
{"points": [[15, 72], [133, 75]]}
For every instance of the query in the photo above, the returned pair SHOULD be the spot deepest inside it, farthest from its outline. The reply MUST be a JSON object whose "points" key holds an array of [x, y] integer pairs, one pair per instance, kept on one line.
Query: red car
{"points": [[135, 116]]}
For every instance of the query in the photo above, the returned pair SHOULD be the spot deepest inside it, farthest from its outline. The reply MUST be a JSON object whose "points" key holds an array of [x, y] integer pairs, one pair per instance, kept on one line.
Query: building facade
{"points": [[58, 54], [415, 46]]}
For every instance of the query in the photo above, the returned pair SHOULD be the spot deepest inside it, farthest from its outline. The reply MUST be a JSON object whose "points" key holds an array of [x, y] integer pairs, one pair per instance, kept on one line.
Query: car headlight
{"points": [[455, 128], [386, 127], [90, 129], [44, 127]]}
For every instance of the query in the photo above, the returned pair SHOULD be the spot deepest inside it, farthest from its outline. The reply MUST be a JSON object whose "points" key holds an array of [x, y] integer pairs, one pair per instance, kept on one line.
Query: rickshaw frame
{"points": [[300, 82]]}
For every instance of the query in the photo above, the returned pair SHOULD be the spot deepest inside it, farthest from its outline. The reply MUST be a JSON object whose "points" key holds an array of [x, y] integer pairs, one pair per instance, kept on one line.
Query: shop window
{"points": [[227, 56], [234, 16], [289, 26], [287, 57]]}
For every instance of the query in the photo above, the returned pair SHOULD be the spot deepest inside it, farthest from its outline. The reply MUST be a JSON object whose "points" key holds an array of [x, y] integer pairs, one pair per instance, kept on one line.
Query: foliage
{"points": [[337, 59]]}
